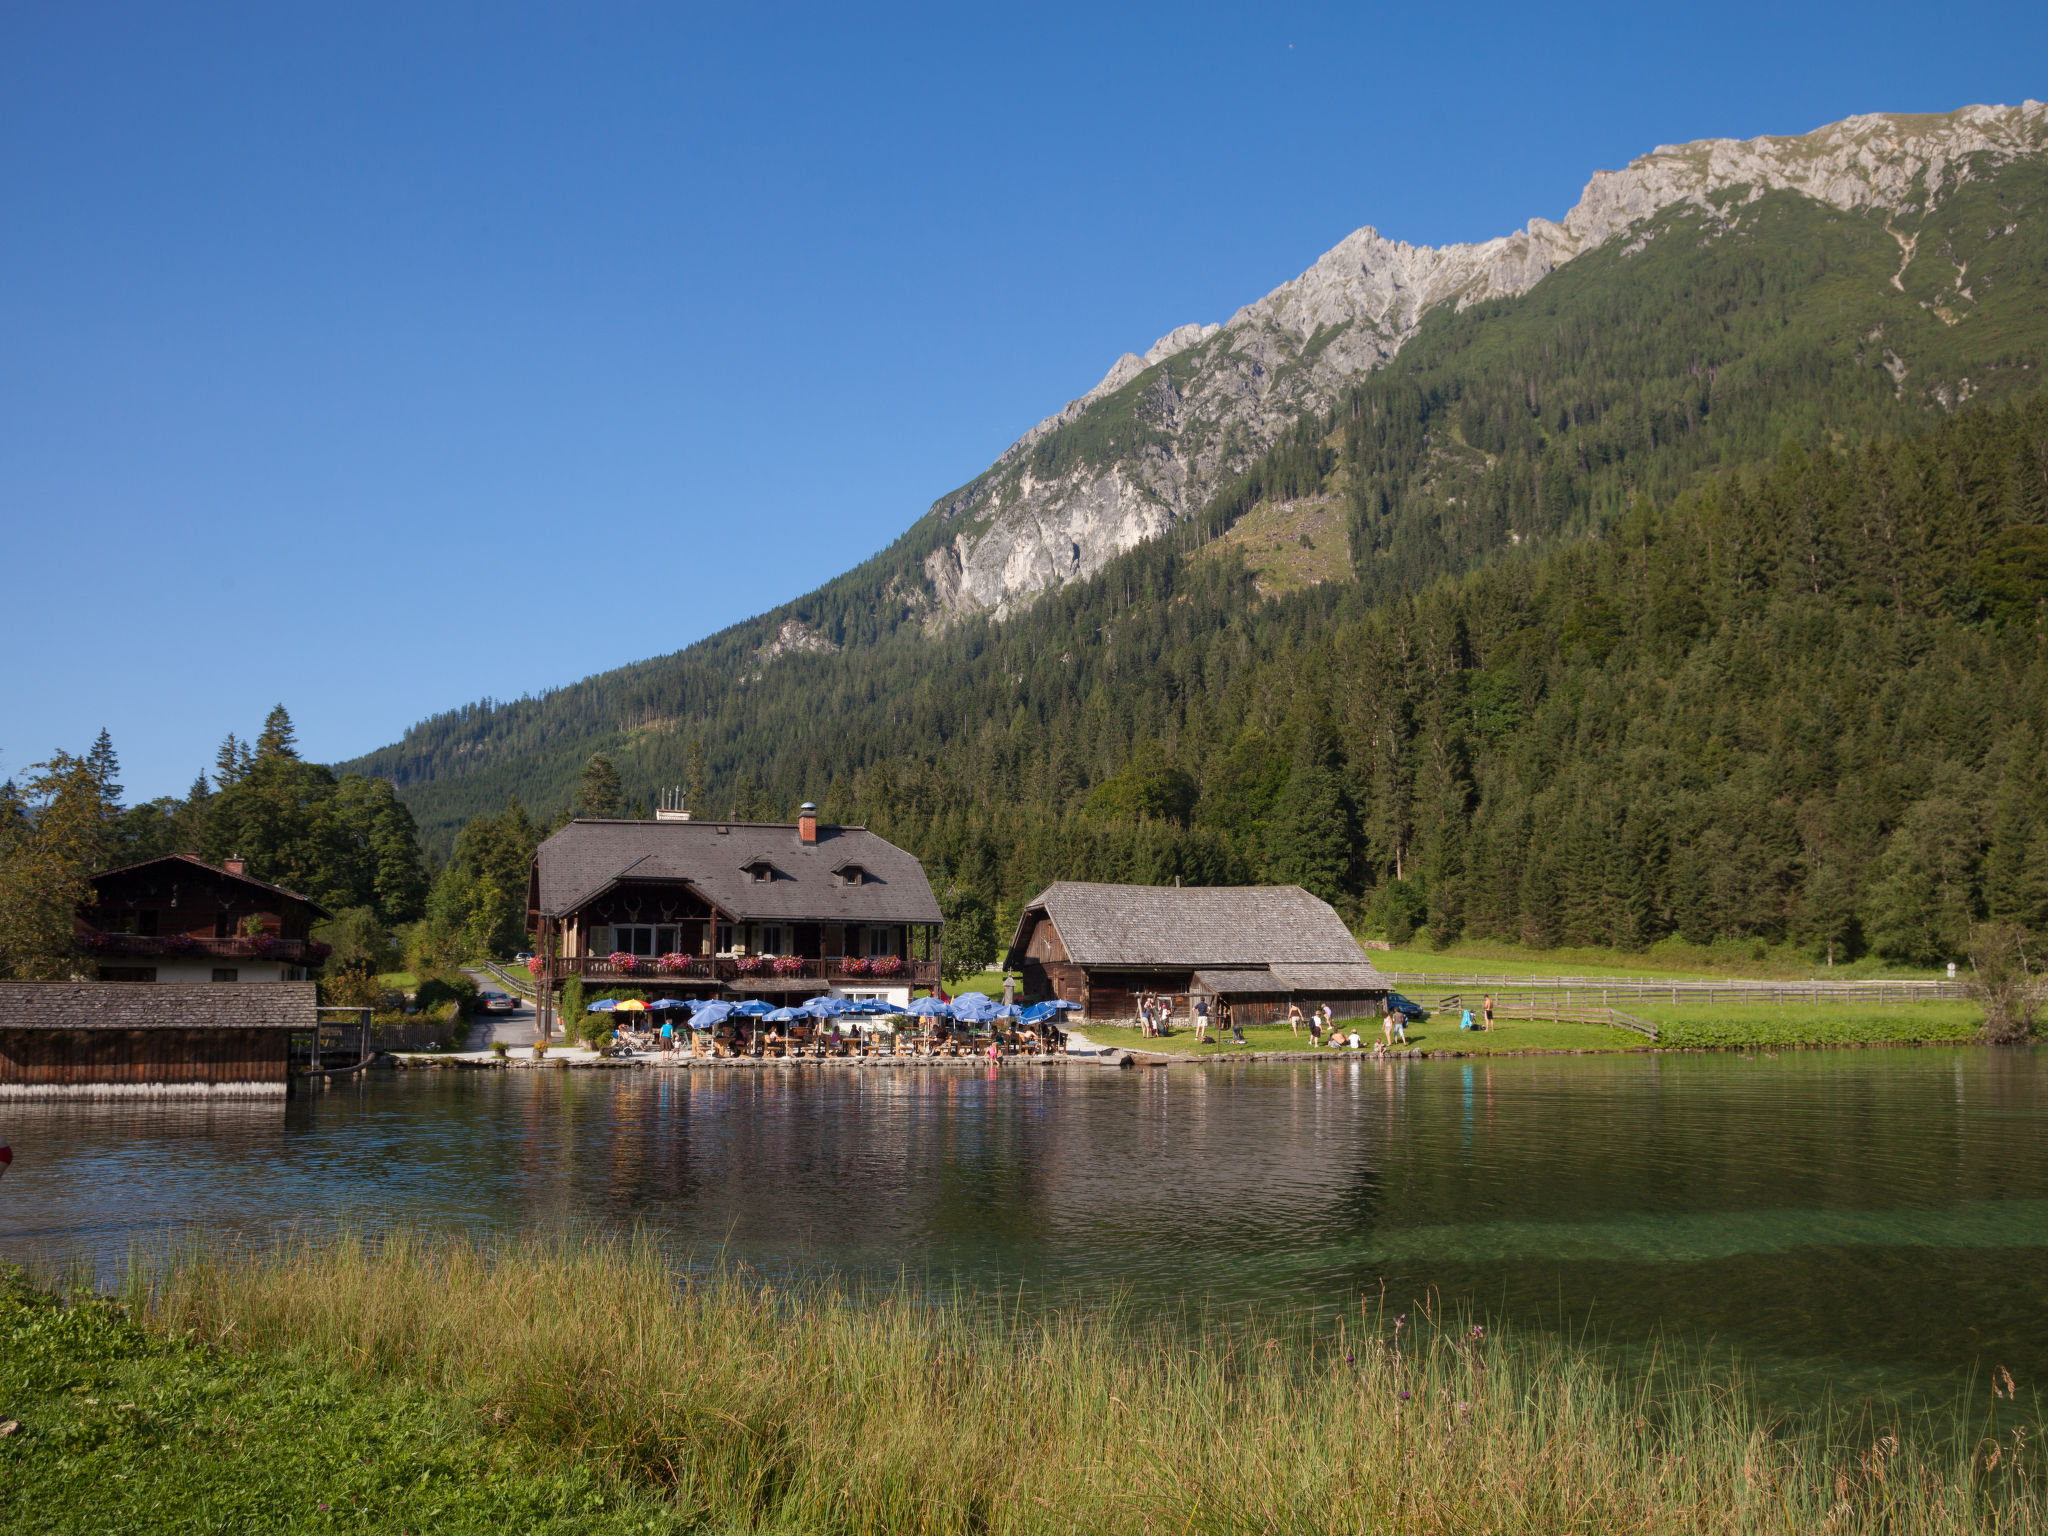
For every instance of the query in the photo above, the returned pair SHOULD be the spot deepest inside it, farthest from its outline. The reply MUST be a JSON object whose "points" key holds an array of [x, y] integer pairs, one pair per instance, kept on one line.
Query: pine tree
{"points": [[598, 791], [696, 779], [1310, 841], [278, 738]]}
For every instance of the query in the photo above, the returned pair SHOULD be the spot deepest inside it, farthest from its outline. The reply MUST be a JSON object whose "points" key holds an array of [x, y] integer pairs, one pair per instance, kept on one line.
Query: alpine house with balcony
{"points": [[178, 918], [733, 909]]}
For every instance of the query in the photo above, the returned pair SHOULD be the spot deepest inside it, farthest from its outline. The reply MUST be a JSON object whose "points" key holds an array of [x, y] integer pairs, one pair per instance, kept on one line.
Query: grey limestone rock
{"points": [[1204, 400]]}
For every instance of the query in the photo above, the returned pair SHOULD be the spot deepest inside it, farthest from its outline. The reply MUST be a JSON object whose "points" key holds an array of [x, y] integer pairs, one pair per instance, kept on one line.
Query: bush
{"points": [[434, 991], [2004, 978]]}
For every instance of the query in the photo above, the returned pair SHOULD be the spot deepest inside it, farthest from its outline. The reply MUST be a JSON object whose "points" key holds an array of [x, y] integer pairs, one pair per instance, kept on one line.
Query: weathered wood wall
{"points": [[80, 1057]]}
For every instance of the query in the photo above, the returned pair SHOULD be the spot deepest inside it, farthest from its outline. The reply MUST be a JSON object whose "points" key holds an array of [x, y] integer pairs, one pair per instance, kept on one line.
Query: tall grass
{"points": [[759, 1408]]}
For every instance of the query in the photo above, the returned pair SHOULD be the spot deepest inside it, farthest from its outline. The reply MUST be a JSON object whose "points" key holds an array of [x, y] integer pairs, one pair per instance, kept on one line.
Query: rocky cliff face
{"points": [[1162, 431]]}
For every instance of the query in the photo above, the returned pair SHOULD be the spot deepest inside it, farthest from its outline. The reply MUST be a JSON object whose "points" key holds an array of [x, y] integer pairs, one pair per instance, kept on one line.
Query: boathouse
{"points": [[92, 1039], [178, 918], [698, 908], [1250, 950]]}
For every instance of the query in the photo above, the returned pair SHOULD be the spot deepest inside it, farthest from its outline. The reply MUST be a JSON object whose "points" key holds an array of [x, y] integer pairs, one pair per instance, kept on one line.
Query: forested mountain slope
{"points": [[1718, 546]]}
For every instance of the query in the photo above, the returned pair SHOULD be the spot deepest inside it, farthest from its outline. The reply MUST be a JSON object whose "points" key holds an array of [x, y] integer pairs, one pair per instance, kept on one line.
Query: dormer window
{"points": [[760, 872], [851, 874]]}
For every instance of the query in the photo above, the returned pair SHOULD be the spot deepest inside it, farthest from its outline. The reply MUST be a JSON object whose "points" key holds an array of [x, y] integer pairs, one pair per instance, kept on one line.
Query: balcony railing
{"points": [[726, 968], [172, 945]]}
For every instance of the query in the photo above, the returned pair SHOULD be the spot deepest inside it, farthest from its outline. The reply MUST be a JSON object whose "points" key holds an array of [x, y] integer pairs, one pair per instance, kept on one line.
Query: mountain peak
{"points": [[1160, 444]]}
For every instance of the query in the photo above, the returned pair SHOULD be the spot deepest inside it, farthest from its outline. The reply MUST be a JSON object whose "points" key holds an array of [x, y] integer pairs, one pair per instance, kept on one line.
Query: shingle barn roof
{"points": [[716, 858], [167, 1005], [1197, 927]]}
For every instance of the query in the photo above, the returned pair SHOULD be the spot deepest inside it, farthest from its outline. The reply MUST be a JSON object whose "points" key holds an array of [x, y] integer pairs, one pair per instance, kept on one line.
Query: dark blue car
{"points": [[1413, 1012]]}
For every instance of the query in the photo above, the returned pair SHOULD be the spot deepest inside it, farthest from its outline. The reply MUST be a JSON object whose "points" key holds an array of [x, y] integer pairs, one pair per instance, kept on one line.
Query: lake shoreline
{"points": [[1108, 1059]]}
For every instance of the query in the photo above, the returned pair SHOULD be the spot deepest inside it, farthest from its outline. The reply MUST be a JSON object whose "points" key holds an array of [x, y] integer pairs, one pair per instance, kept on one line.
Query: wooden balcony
{"points": [[172, 945], [726, 969]]}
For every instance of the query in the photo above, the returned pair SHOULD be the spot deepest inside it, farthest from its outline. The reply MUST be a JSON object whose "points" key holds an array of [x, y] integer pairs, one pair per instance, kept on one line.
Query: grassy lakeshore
{"points": [[1671, 960], [430, 1384], [1681, 1025]]}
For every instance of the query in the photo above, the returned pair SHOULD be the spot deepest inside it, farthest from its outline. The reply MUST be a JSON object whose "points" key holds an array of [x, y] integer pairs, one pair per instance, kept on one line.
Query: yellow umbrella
{"points": [[631, 1005]]}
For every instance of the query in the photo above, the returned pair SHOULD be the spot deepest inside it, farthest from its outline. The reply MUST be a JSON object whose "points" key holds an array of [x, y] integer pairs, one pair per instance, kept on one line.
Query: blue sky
{"points": [[380, 358]]}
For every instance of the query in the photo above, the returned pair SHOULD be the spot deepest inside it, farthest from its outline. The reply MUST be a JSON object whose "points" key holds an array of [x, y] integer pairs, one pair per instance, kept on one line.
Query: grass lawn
{"points": [[116, 1428], [989, 982], [1438, 1033], [400, 981], [1673, 959], [1759, 1024]]}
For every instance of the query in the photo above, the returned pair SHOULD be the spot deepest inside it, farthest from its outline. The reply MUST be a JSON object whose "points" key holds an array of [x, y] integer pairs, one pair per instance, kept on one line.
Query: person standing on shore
{"points": [[1294, 1018], [1387, 1029], [1487, 1009], [1201, 1018]]}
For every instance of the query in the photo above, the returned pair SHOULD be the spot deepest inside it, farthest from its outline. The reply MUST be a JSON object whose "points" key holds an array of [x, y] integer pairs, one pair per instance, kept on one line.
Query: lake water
{"points": [[1867, 1220]]}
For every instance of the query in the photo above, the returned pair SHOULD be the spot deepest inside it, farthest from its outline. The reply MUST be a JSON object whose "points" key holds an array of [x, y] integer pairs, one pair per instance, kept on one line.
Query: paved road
{"points": [[514, 1028]]}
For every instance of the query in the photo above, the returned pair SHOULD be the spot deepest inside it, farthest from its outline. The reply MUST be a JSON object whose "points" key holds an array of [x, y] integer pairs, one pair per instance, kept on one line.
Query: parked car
{"points": [[495, 1002], [522, 957], [1413, 1012]]}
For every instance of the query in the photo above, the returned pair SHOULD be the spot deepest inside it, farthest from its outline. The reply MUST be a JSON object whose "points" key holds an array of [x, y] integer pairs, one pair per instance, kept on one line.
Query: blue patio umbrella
{"points": [[603, 1005], [784, 1016], [1009, 1011], [668, 1002], [827, 1007], [753, 1008], [704, 1015], [931, 1008], [974, 1007]]}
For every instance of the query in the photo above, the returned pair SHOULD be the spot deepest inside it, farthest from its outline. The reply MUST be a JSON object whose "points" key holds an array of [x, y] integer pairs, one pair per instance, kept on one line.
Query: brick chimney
{"points": [[233, 865], [807, 823]]}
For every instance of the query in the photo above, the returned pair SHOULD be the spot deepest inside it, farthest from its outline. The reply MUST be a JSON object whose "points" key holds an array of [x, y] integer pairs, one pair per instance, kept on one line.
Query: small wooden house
{"points": [[178, 918], [1250, 950], [109, 1040]]}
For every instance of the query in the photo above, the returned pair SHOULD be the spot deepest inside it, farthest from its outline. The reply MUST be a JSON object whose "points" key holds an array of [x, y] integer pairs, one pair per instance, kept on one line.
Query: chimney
{"points": [[234, 864], [807, 823], [671, 807]]}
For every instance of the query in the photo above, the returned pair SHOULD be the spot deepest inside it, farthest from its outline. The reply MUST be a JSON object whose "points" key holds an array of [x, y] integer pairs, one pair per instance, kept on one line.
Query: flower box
{"points": [[535, 964], [184, 944], [853, 965], [748, 965], [789, 965], [676, 963], [884, 965], [619, 960]]}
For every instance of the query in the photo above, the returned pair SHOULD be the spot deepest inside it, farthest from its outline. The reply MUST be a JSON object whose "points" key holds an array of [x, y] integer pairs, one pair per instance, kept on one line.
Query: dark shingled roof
{"points": [[214, 869], [1201, 927], [587, 857], [166, 1005]]}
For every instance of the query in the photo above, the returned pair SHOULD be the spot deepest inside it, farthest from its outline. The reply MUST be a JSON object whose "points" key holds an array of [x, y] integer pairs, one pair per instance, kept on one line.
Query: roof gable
{"points": [[1195, 927], [195, 863]]}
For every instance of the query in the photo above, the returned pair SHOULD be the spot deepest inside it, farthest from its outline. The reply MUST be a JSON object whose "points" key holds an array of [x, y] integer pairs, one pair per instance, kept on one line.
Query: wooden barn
{"points": [[1250, 950], [113, 1039], [178, 918]]}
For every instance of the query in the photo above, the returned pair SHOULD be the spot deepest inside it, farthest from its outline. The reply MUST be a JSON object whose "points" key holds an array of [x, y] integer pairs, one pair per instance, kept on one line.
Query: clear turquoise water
{"points": [[1856, 1220]]}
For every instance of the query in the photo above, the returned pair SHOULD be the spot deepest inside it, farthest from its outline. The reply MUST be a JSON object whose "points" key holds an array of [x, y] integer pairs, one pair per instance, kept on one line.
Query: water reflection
{"points": [[1868, 1217]]}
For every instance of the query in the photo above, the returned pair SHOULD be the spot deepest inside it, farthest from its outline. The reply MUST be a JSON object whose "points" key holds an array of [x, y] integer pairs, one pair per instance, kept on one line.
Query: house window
{"points": [[226, 973], [771, 939], [223, 924], [853, 874], [600, 939], [881, 941], [762, 872], [725, 938], [642, 939]]}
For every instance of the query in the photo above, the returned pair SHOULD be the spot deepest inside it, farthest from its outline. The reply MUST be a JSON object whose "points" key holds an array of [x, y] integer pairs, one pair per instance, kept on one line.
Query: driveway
{"points": [[514, 1028]]}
